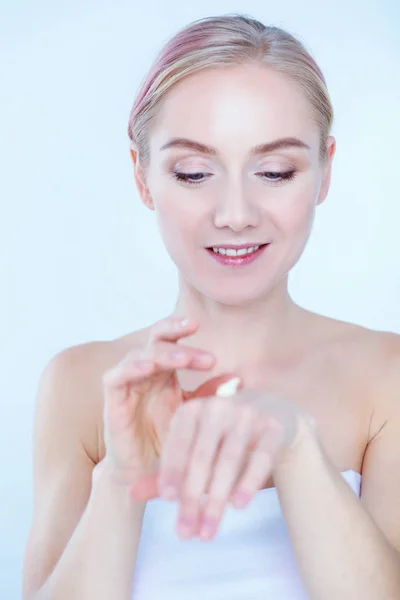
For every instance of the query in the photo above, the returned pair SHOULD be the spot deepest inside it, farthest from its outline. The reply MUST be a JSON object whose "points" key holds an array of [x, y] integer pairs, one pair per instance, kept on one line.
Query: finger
{"points": [[177, 448], [118, 397], [135, 364], [230, 460], [259, 465], [172, 329], [165, 481], [171, 356], [126, 372], [213, 425], [147, 487]]}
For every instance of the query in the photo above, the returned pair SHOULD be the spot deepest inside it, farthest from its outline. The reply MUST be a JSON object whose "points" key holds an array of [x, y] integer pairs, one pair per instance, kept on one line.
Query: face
{"points": [[231, 195]]}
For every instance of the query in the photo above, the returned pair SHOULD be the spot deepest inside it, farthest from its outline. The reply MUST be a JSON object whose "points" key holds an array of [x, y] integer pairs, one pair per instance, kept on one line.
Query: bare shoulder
{"points": [[374, 351], [383, 375], [353, 342], [77, 372], [372, 358]]}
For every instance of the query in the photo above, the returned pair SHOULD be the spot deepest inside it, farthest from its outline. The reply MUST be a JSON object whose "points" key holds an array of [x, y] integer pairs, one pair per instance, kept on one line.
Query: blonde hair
{"points": [[223, 41]]}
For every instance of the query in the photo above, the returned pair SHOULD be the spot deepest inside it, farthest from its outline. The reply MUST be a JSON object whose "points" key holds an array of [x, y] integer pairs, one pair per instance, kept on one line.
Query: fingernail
{"points": [[241, 499], [185, 526], [208, 528]]}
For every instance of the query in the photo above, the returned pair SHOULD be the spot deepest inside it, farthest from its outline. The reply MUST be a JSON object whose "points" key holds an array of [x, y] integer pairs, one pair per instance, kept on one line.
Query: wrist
{"points": [[106, 471], [110, 498], [305, 440]]}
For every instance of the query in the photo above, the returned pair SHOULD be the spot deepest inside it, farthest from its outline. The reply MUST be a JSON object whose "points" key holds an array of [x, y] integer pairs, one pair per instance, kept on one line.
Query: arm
{"points": [[345, 547], [85, 530]]}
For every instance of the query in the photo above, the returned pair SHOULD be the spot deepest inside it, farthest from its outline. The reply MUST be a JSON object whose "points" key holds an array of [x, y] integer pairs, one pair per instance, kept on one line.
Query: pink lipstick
{"points": [[232, 259]]}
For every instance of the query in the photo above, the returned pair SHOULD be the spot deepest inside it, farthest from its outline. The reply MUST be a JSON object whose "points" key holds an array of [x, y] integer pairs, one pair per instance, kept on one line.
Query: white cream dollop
{"points": [[228, 388]]}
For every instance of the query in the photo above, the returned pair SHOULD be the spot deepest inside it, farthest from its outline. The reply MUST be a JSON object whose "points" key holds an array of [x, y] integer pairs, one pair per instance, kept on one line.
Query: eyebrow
{"points": [[288, 142]]}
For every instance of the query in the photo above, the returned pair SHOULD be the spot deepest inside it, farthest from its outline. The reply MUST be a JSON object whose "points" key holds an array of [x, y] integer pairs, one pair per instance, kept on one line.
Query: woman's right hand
{"points": [[142, 393]]}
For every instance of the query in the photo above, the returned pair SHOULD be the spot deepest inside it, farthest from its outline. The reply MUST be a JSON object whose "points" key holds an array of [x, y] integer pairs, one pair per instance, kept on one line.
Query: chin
{"points": [[235, 295]]}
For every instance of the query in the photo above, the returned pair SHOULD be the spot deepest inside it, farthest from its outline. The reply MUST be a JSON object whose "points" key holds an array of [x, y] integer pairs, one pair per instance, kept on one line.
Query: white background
{"points": [[81, 258]]}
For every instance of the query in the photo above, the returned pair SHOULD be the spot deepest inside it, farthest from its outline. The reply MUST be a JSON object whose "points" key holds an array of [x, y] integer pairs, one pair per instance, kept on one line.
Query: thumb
{"points": [[146, 487]]}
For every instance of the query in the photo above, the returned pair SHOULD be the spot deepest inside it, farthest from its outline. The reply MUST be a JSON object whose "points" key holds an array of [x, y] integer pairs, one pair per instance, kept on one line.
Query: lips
{"points": [[238, 260]]}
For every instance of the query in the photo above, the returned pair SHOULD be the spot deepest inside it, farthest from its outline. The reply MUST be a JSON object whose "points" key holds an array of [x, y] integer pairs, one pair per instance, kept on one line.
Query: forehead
{"points": [[234, 104]]}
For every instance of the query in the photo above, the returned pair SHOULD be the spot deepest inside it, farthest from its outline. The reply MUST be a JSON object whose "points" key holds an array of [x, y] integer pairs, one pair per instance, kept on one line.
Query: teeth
{"points": [[232, 252]]}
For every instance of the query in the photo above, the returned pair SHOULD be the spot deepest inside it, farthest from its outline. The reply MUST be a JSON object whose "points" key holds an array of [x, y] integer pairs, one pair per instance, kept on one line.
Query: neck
{"points": [[265, 330]]}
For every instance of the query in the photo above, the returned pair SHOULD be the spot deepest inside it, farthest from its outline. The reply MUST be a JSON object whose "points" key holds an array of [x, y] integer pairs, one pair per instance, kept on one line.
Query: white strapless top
{"points": [[250, 558]]}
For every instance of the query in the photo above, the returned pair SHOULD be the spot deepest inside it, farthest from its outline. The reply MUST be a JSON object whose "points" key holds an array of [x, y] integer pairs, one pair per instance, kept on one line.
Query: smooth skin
{"points": [[226, 447], [345, 376]]}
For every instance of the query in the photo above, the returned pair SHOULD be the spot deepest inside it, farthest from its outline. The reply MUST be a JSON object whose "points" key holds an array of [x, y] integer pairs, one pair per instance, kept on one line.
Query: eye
{"points": [[278, 177], [272, 177], [190, 178]]}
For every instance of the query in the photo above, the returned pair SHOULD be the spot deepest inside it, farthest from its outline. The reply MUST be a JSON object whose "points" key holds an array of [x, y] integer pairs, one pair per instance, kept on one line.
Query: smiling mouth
{"points": [[232, 257], [231, 250]]}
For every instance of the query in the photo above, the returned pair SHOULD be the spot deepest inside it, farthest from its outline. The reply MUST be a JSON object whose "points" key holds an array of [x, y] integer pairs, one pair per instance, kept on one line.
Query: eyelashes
{"points": [[278, 177]]}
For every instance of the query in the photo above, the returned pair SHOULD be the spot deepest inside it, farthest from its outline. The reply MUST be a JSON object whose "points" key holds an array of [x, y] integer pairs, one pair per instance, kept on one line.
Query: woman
{"points": [[153, 480]]}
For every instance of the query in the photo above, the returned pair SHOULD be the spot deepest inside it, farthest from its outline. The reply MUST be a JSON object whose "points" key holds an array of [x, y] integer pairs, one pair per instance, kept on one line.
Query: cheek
{"points": [[297, 216], [178, 226], [301, 220]]}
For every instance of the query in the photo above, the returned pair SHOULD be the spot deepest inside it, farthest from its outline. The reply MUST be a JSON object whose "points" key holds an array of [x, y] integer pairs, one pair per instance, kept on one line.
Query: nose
{"points": [[236, 210]]}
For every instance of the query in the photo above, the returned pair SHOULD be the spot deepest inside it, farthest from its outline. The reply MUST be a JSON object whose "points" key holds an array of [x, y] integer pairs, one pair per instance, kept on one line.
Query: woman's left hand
{"points": [[226, 447]]}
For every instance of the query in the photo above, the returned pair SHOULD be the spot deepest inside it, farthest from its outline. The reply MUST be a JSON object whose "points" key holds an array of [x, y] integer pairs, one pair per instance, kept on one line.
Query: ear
{"points": [[140, 179], [327, 172]]}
